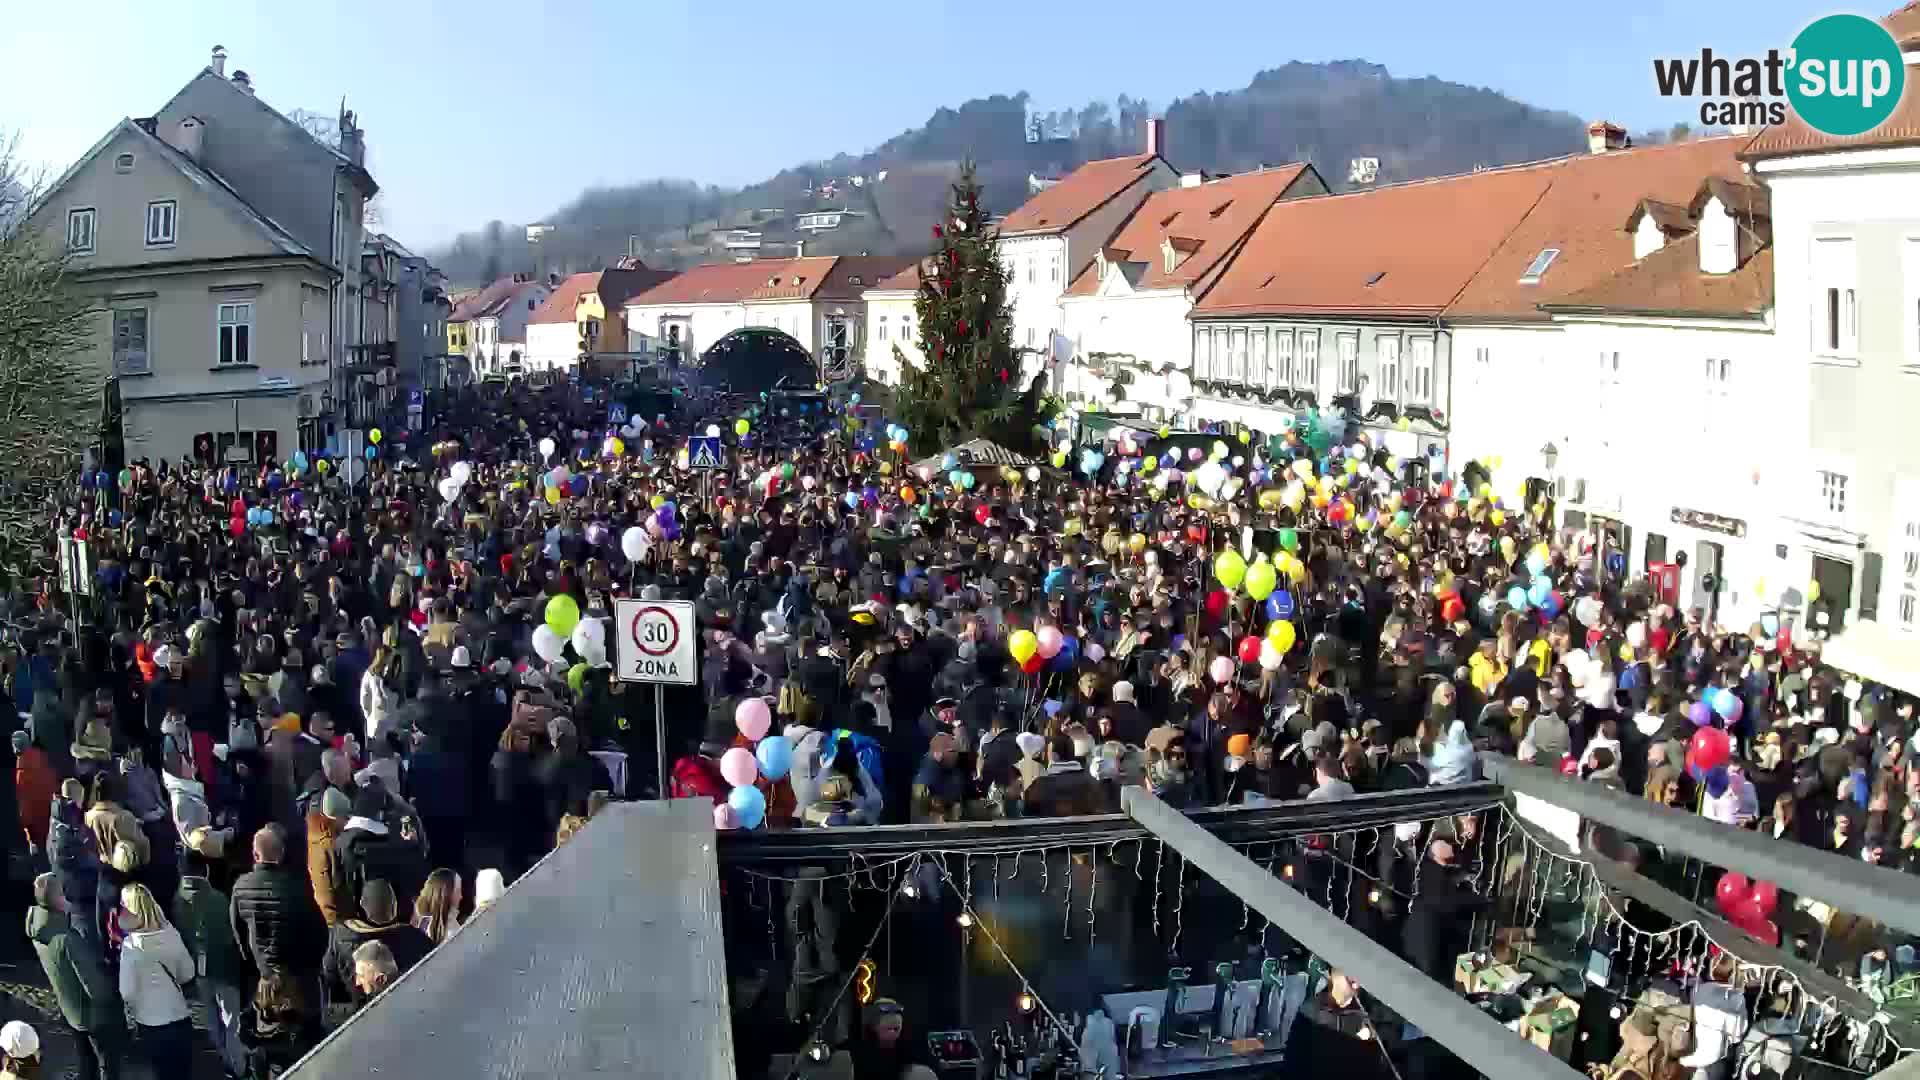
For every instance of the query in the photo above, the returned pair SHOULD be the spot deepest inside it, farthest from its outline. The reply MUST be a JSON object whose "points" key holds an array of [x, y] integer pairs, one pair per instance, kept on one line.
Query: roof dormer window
{"points": [[1376, 279], [1538, 267]]}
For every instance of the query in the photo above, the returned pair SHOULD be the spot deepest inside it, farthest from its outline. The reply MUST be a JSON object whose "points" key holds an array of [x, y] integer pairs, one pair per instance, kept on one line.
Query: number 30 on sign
{"points": [[655, 642]]}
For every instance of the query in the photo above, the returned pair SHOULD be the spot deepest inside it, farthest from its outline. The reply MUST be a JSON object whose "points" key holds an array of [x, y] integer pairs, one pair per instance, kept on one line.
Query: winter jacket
{"points": [[275, 921], [408, 942], [77, 972], [146, 797], [439, 781], [188, 799], [74, 853], [34, 785], [113, 825], [379, 704], [369, 851], [155, 969], [205, 922], [698, 777], [324, 871]]}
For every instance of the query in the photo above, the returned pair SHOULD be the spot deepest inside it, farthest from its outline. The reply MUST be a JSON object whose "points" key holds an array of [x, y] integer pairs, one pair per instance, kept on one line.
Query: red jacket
{"points": [[698, 777], [34, 783]]}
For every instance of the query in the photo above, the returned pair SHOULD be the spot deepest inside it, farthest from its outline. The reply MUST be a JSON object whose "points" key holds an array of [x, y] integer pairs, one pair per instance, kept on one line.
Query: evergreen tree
{"points": [[971, 385]]}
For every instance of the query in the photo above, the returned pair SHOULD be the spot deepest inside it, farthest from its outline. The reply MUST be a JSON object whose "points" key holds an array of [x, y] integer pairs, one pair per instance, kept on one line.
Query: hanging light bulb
{"points": [[1287, 871], [965, 919], [1373, 896], [1365, 1033], [817, 1051], [1025, 1002], [908, 889]]}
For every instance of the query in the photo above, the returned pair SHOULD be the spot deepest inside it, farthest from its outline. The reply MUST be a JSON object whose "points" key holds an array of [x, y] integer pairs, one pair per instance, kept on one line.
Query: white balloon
{"points": [[1637, 634], [461, 471], [634, 544], [1270, 655], [713, 431], [547, 643], [548, 446], [449, 488], [592, 629]]}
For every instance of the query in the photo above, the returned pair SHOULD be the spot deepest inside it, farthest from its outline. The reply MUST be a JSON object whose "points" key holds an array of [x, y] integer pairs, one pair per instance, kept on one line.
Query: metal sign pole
{"points": [[660, 737]]}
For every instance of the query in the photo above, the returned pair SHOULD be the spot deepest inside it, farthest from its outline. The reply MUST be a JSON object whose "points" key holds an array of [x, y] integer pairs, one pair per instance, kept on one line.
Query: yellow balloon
{"points": [[374, 436], [1165, 431], [1072, 527], [1022, 646], [1813, 592], [1147, 465], [1626, 652], [1760, 587], [741, 427], [1137, 543], [656, 501], [1321, 499], [553, 496], [1059, 459], [1282, 634], [619, 446], [1244, 437], [1296, 571], [886, 468], [1485, 491], [322, 466], [1498, 517]]}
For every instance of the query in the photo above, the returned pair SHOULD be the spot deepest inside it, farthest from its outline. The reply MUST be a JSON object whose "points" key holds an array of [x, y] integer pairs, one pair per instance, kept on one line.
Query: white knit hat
{"points": [[488, 886], [1123, 691], [19, 1041]]}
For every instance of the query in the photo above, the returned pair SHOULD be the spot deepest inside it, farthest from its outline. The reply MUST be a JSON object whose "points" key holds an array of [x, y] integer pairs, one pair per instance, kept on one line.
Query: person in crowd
{"points": [[85, 991], [275, 1031], [379, 920], [326, 873], [437, 912], [155, 970], [276, 924], [374, 969], [35, 784], [19, 1051], [489, 885], [370, 850]]}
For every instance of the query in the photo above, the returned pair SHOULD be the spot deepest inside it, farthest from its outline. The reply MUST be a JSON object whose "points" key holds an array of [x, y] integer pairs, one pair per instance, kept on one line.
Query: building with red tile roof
{"points": [[1125, 315]]}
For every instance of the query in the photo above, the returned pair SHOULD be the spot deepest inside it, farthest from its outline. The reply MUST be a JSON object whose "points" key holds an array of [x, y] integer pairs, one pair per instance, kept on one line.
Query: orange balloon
{"points": [[906, 494]]}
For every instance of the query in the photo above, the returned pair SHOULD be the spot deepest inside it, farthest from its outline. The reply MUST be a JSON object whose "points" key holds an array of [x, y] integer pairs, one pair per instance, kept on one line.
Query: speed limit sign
{"points": [[654, 642]]}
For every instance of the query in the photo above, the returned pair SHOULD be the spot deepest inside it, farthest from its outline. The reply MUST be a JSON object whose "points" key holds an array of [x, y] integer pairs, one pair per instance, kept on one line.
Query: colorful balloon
{"points": [[1023, 646], [738, 768]]}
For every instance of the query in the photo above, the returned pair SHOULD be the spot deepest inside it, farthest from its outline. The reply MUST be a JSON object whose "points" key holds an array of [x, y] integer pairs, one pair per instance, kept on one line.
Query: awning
{"points": [[1877, 653]]}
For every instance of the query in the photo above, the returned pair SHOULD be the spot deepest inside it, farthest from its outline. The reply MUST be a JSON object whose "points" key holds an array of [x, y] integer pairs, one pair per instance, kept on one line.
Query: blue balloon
{"points": [[950, 461], [372, 452], [1068, 655], [852, 500], [853, 399], [1717, 780], [1538, 592], [749, 806], [1517, 598], [967, 481], [1051, 707], [1550, 606], [1536, 563], [775, 755], [1724, 702]]}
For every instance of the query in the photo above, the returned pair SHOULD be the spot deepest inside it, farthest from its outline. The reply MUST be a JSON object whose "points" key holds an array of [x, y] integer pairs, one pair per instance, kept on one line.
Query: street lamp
{"points": [[1549, 455]]}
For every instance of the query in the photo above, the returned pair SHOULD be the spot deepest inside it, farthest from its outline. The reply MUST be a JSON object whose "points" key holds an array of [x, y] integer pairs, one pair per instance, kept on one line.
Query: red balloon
{"points": [[238, 526], [981, 513], [1709, 749], [1731, 893], [1570, 766], [1452, 609], [1764, 898], [1197, 534], [1336, 512], [239, 508], [1033, 663], [1249, 650], [1217, 603]]}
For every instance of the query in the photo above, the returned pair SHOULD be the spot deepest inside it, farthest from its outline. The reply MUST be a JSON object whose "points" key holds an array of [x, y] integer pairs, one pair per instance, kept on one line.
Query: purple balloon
{"points": [[1700, 713]]}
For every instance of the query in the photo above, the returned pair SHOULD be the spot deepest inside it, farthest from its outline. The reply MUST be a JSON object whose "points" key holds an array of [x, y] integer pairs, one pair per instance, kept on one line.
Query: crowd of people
{"points": [[304, 720]]}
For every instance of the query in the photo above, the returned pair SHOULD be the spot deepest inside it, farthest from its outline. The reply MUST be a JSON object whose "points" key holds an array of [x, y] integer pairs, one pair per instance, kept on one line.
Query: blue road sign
{"points": [[616, 413], [416, 399], [705, 452]]}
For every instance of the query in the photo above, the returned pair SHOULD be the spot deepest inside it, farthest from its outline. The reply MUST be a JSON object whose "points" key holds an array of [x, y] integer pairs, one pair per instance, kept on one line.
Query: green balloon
{"points": [[563, 615], [1290, 539]]}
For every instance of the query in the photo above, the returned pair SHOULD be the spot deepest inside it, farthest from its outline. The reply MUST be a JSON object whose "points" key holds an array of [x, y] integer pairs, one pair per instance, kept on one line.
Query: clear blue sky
{"points": [[488, 109]]}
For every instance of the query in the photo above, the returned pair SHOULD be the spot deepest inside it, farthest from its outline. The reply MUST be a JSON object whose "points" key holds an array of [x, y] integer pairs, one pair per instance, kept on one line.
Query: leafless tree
{"points": [[50, 397], [326, 129]]}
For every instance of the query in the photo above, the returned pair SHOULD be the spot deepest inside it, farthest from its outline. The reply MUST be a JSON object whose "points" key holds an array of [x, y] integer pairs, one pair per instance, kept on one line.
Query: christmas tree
{"points": [[971, 385]]}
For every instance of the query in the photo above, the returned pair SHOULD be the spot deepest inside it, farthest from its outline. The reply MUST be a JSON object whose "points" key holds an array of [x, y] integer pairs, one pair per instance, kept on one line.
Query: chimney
{"points": [[186, 136], [1192, 179], [353, 141], [219, 64], [245, 82], [1156, 133], [1603, 136]]}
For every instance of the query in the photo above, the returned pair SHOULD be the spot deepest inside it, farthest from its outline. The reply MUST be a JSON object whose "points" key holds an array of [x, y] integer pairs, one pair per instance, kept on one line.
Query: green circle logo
{"points": [[1847, 75]]}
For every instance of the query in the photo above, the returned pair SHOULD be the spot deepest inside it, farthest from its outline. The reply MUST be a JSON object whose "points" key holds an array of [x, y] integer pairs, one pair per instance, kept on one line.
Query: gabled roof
{"points": [[1075, 195], [1669, 282], [492, 300], [1204, 223], [559, 306], [855, 274], [1579, 216], [735, 282], [907, 280], [1902, 128], [1404, 250], [1741, 198], [217, 189], [1670, 218], [630, 279], [359, 173]]}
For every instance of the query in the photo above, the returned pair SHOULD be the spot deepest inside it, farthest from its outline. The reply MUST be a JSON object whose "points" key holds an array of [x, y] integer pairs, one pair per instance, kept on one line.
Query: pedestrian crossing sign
{"points": [[616, 413], [705, 452]]}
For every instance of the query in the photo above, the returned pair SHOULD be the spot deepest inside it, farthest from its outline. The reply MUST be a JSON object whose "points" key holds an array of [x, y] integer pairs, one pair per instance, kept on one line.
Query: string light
{"points": [[1025, 1002], [817, 1051], [1373, 896], [965, 919]]}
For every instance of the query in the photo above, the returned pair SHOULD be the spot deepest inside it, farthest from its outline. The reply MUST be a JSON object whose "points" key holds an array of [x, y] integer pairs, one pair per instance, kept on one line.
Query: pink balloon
{"points": [[1221, 669], [738, 768], [752, 718], [724, 818], [1050, 641]]}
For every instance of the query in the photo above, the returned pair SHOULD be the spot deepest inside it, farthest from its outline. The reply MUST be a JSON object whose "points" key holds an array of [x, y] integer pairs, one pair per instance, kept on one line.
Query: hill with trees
{"points": [[1324, 113]]}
